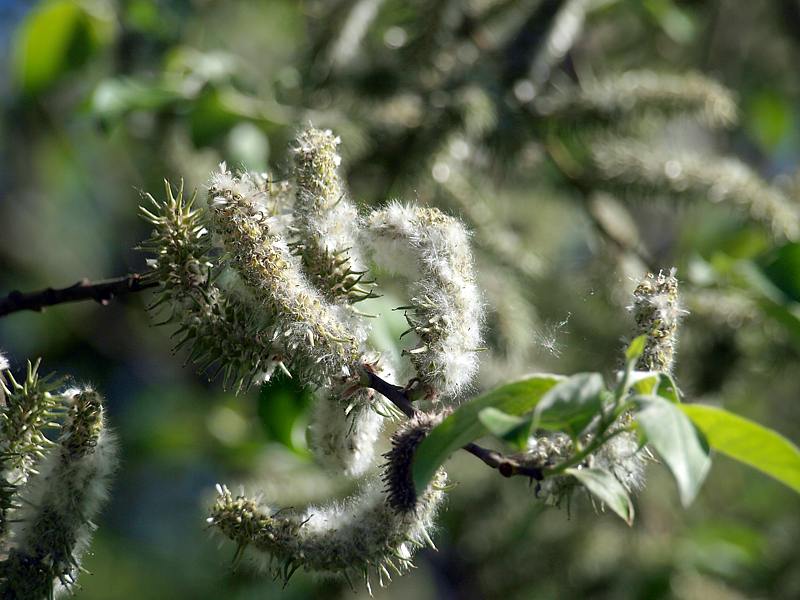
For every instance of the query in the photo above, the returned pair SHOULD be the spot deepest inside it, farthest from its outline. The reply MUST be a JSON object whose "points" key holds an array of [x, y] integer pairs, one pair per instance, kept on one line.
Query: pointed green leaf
{"points": [[654, 383], [571, 404], [510, 428], [748, 442], [464, 426], [678, 442], [636, 348], [606, 488]]}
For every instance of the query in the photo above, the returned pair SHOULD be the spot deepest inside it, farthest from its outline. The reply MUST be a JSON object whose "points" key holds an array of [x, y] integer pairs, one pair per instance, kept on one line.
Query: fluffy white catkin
{"points": [[374, 530], [310, 329], [345, 425], [631, 166], [446, 311], [320, 335], [326, 224], [53, 526], [355, 538]]}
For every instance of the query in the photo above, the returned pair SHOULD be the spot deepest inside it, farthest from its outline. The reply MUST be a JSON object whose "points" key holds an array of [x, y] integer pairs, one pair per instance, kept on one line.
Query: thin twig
{"points": [[507, 466], [99, 291]]}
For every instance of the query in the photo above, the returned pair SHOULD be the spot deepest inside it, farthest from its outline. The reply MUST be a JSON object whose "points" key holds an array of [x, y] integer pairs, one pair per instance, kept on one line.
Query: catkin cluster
{"points": [[51, 491], [268, 276]]}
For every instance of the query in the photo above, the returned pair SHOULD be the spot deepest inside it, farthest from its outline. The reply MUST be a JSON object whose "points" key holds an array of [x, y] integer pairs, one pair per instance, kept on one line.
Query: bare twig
{"points": [[99, 291], [507, 466]]}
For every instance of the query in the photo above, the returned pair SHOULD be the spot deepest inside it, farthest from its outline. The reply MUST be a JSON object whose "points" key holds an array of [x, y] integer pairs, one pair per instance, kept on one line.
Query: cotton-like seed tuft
{"points": [[446, 310]]}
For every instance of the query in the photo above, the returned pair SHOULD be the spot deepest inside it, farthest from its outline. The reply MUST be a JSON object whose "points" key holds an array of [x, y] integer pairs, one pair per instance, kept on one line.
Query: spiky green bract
{"points": [[311, 331], [218, 328], [657, 312], [326, 223], [358, 538], [644, 93], [53, 525], [446, 311], [30, 406], [397, 475], [629, 165]]}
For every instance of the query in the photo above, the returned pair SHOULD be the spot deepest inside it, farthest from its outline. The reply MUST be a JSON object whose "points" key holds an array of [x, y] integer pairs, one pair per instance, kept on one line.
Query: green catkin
{"points": [[219, 330], [53, 525], [374, 530], [310, 329], [325, 221], [657, 312], [29, 407], [321, 337], [344, 426]]}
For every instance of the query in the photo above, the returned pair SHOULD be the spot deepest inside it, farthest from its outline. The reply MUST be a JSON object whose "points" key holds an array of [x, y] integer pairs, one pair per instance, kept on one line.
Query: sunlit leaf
{"points": [[606, 488], [655, 383], [571, 404], [748, 442], [636, 348], [510, 428], [678, 442]]}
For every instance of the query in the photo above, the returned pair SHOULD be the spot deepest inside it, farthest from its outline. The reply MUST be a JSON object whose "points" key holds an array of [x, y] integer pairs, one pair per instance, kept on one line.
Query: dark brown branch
{"points": [[394, 393], [99, 291], [507, 466]]}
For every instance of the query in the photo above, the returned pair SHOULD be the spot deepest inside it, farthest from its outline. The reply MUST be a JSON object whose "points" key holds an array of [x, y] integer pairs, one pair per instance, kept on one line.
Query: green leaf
{"points": [[748, 442], [464, 426], [678, 442], [571, 404], [510, 428], [636, 348], [606, 488], [56, 37], [655, 383]]}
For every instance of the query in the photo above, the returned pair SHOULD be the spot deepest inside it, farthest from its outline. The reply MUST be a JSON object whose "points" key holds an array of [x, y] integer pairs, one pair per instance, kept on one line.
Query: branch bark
{"points": [[99, 291], [507, 466]]}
